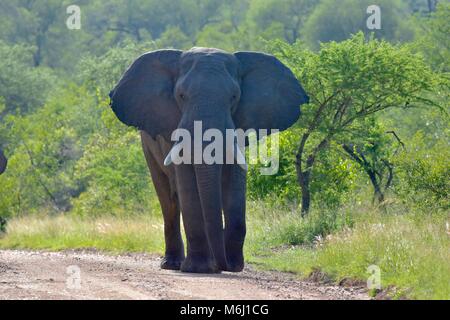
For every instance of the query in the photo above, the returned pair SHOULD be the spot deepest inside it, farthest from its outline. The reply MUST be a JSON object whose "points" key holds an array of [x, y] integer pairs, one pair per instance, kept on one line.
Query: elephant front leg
{"points": [[199, 258], [234, 190], [174, 253]]}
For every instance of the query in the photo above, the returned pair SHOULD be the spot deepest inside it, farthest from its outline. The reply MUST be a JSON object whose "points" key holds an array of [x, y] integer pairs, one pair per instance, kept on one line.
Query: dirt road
{"points": [[92, 275]]}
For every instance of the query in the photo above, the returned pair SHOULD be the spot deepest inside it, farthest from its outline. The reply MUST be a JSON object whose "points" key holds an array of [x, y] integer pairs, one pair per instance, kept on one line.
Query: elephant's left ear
{"points": [[270, 94]]}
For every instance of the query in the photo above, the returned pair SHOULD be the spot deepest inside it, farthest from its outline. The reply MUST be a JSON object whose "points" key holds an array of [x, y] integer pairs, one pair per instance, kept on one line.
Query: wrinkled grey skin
{"points": [[3, 162], [169, 89]]}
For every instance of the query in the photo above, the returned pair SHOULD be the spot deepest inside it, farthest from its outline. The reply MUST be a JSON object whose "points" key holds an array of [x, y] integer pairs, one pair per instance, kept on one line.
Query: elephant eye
{"points": [[182, 96]]}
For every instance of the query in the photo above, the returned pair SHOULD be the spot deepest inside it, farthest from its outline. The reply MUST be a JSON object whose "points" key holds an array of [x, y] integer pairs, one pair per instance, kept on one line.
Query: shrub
{"points": [[424, 175]]}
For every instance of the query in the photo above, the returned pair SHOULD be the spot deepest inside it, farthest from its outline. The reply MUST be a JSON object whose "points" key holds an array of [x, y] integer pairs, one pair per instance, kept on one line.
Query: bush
{"points": [[335, 176], [72, 154], [115, 173], [314, 228], [23, 88], [278, 227], [43, 149], [424, 175]]}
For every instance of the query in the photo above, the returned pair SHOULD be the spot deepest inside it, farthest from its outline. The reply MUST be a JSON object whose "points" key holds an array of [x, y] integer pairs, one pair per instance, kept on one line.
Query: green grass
{"points": [[112, 234], [412, 251]]}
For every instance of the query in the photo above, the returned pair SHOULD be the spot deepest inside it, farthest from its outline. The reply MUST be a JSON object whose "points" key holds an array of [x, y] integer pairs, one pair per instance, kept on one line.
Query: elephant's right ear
{"points": [[143, 98]]}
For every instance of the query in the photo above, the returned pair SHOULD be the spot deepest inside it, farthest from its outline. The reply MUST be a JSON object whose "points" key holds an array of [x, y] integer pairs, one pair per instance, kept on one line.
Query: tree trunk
{"points": [[359, 157], [304, 176], [377, 193], [306, 193], [432, 5], [37, 56]]}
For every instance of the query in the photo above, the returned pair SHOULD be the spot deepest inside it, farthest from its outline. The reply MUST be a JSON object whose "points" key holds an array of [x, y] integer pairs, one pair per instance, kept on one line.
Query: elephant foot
{"points": [[171, 263], [199, 265], [235, 263], [235, 255]]}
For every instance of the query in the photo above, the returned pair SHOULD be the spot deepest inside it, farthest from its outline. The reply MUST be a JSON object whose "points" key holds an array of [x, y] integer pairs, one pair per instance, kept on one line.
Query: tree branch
{"points": [[33, 164]]}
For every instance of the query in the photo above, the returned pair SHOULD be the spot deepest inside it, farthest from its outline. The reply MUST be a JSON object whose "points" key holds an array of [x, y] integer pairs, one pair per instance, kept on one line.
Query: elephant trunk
{"points": [[209, 184], [210, 192]]}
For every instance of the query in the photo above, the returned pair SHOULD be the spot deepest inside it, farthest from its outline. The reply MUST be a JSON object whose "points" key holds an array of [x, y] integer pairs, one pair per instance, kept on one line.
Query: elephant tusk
{"points": [[174, 151], [168, 160], [240, 158]]}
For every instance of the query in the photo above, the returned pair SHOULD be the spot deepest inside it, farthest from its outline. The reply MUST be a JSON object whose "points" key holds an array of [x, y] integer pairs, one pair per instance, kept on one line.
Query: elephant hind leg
{"points": [[233, 198], [174, 253]]}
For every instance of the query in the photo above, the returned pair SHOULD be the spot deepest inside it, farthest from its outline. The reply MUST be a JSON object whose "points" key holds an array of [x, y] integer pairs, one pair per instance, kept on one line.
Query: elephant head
{"points": [[169, 89], [3, 162]]}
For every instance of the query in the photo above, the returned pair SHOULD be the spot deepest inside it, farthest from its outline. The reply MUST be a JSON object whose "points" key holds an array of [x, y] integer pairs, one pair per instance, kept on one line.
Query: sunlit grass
{"points": [[118, 235], [412, 252]]}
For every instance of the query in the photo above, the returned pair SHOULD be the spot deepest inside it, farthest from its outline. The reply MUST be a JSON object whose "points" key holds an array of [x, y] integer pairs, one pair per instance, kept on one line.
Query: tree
{"points": [[433, 37], [373, 148], [279, 19], [334, 20], [432, 4], [348, 82], [23, 88], [72, 153], [40, 25], [173, 37], [423, 6], [43, 148]]}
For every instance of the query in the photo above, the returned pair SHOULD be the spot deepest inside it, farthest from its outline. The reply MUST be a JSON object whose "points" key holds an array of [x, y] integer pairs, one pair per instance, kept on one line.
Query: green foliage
{"points": [[41, 25], [312, 229], [101, 73], [80, 159], [45, 146], [335, 176], [348, 83], [115, 173], [424, 175], [230, 24], [355, 74], [365, 76], [279, 19], [281, 187], [174, 37], [22, 88], [434, 34]]}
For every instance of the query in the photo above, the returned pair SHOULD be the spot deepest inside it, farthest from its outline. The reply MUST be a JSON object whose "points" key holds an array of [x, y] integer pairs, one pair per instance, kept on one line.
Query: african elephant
{"points": [[166, 90], [3, 162]]}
